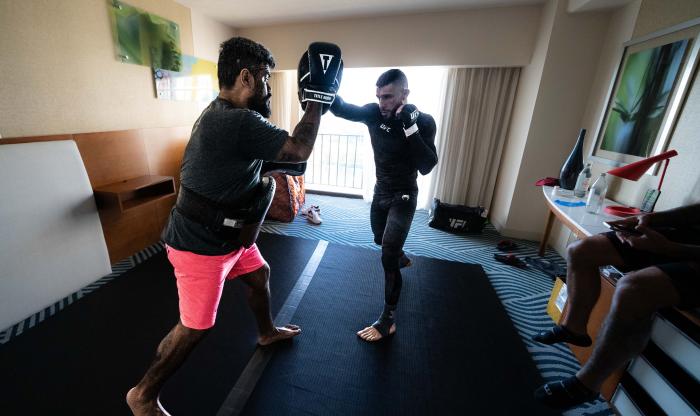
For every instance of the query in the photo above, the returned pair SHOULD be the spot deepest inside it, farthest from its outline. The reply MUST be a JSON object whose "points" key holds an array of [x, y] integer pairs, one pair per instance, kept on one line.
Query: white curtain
{"points": [[477, 110], [284, 102]]}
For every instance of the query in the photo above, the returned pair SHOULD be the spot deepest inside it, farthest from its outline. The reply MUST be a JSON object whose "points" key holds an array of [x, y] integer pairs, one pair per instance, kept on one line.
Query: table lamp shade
{"points": [[635, 170]]}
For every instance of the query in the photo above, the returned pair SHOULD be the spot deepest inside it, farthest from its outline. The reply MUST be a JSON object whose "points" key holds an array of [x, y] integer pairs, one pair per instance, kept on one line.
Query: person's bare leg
{"points": [[583, 279], [258, 283], [171, 353], [626, 329], [624, 334]]}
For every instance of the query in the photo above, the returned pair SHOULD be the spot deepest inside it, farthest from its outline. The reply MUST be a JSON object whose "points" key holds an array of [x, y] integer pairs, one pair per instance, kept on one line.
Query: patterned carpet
{"points": [[524, 293]]}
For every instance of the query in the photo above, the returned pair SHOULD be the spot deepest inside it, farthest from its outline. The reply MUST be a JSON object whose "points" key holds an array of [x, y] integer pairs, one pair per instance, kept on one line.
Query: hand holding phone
{"points": [[622, 228]]}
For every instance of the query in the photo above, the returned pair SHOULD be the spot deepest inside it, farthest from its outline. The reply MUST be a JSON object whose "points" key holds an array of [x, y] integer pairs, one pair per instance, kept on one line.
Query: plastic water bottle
{"points": [[583, 181], [597, 195]]}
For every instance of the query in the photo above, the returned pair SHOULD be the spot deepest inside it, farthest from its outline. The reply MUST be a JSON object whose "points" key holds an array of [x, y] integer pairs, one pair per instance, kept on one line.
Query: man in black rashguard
{"points": [[403, 141]]}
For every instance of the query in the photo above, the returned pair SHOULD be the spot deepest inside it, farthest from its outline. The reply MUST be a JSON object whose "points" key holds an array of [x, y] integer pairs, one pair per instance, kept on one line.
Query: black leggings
{"points": [[391, 215]]}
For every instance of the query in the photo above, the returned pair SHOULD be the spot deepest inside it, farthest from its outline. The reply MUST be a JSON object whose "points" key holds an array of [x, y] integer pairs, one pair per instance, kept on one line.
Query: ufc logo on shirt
{"points": [[385, 127]]}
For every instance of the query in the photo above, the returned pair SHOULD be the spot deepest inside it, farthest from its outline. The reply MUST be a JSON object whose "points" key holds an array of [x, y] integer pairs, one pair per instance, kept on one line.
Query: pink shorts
{"points": [[200, 281]]}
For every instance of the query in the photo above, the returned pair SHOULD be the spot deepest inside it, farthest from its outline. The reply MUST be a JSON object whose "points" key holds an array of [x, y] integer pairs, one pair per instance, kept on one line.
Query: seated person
{"points": [[661, 253]]}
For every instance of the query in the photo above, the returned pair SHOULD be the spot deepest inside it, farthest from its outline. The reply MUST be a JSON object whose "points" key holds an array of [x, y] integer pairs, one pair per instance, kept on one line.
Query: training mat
{"points": [[455, 351], [83, 360], [210, 372]]}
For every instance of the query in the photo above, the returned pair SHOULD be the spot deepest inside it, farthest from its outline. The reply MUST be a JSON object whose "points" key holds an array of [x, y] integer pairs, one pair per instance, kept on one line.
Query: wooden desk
{"points": [[580, 222]]}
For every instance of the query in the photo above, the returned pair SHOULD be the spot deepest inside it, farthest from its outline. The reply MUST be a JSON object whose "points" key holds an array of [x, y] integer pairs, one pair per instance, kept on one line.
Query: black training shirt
{"points": [[222, 162], [397, 158]]}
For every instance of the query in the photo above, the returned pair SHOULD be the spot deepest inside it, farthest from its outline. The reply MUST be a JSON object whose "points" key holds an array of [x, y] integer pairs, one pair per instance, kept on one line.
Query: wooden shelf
{"points": [[133, 193]]}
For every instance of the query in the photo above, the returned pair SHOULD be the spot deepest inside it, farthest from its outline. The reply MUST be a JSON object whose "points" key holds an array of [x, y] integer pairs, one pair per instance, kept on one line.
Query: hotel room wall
{"points": [[570, 62], [682, 183], [523, 108], [481, 37], [61, 80], [61, 75]]}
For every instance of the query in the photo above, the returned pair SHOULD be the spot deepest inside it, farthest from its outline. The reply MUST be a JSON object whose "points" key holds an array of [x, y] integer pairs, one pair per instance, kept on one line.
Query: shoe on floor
{"points": [[510, 259], [506, 245], [312, 214], [550, 268]]}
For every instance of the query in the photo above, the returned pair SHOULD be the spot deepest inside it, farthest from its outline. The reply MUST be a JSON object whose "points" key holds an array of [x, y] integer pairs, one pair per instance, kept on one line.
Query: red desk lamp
{"points": [[633, 172]]}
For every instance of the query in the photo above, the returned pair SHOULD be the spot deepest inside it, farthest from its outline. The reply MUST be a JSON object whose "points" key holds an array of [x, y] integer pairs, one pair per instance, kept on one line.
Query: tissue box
{"points": [[557, 300]]}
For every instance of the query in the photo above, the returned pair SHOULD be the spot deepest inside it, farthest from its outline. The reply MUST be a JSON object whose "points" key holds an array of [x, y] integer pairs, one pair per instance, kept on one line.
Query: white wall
{"points": [[682, 183], [485, 37], [618, 32], [523, 108], [683, 176], [569, 67], [60, 73], [207, 35]]}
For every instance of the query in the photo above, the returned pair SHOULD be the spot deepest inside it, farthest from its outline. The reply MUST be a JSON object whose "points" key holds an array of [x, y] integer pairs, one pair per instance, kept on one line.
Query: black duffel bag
{"points": [[456, 218]]}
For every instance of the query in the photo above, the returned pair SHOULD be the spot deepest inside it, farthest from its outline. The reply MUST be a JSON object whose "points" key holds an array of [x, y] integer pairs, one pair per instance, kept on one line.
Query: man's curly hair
{"points": [[238, 53]]}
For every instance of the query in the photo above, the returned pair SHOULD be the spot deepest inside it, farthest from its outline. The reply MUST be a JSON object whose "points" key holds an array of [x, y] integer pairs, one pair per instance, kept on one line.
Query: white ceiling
{"points": [[247, 13]]}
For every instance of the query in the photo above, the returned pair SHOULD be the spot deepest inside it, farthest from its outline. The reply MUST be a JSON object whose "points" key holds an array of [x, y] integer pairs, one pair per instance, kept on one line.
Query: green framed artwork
{"points": [[143, 38], [647, 95], [196, 81]]}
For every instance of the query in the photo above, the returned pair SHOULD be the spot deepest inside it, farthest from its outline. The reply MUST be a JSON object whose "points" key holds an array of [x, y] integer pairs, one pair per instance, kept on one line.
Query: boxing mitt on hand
{"points": [[409, 115], [292, 169], [319, 72]]}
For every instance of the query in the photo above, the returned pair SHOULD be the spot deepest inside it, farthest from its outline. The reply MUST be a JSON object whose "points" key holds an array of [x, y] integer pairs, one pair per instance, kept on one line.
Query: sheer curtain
{"points": [[477, 109], [284, 102]]}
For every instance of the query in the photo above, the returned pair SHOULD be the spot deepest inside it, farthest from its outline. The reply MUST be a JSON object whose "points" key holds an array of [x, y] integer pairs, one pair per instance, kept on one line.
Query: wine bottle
{"points": [[573, 165]]}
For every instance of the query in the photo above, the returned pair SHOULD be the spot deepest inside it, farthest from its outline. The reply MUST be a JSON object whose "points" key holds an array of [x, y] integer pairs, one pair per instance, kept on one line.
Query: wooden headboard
{"points": [[114, 156]]}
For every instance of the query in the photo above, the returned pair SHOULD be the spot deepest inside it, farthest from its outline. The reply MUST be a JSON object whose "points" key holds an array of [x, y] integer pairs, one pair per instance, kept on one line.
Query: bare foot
{"points": [[278, 334], [140, 407], [371, 334]]}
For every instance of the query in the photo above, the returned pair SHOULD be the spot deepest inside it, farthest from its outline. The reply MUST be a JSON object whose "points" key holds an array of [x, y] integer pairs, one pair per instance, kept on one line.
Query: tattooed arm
{"points": [[299, 145]]}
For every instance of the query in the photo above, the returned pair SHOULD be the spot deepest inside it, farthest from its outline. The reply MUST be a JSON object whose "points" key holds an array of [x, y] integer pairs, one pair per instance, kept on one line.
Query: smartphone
{"points": [[622, 228]]}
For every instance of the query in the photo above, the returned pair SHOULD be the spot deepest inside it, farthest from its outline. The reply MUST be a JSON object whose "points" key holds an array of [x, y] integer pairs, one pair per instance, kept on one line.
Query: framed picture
{"points": [[197, 80], [647, 94]]}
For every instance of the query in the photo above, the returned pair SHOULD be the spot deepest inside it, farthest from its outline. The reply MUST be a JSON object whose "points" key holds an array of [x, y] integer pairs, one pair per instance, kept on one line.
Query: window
{"points": [[342, 159]]}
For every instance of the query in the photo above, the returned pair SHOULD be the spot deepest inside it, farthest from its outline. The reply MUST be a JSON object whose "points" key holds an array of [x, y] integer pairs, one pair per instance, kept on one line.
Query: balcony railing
{"points": [[335, 164]]}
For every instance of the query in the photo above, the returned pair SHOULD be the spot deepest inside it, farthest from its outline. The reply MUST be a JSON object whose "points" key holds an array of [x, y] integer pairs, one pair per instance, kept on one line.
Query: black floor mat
{"points": [[210, 372], [456, 351], [83, 360]]}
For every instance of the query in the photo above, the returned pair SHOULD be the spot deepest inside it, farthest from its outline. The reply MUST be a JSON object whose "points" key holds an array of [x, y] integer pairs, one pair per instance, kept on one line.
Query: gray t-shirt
{"points": [[222, 162]]}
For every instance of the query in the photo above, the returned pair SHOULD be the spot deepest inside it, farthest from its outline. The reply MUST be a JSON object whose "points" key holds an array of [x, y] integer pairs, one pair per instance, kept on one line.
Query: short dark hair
{"points": [[391, 76], [237, 54]]}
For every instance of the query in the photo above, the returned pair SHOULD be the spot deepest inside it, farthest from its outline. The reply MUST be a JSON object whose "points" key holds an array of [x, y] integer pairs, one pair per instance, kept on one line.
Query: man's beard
{"points": [[261, 104]]}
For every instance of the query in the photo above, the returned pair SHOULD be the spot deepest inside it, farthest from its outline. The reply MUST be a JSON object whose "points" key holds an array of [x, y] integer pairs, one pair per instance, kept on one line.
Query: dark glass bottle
{"points": [[573, 165]]}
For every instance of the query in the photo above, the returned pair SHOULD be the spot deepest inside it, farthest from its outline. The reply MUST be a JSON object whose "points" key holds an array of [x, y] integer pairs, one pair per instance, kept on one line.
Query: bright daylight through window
{"points": [[342, 160]]}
